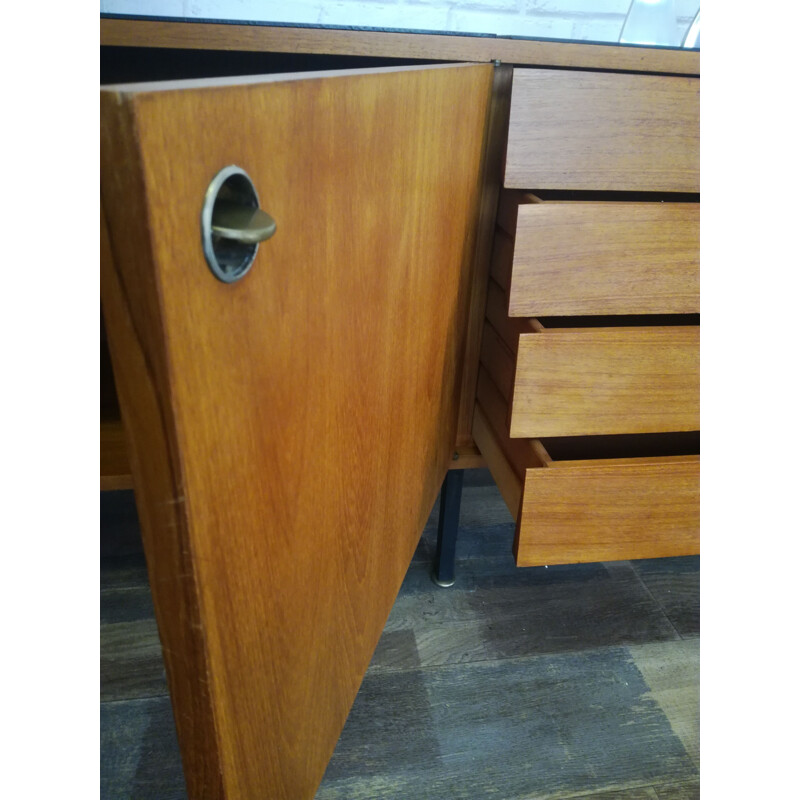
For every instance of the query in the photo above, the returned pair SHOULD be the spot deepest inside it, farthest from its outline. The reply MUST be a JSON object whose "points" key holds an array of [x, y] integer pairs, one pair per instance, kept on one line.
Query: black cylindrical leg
{"points": [[444, 567]]}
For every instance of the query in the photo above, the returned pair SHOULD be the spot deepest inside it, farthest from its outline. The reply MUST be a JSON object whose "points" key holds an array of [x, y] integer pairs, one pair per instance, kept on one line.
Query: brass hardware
{"points": [[232, 224], [240, 223]]}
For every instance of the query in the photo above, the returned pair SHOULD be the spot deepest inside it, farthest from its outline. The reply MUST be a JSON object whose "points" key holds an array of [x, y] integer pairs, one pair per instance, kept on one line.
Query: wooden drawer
{"points": [[590, 258], [584, 381], [592, 380], [609, 510], [592, 498], [603, 131]]}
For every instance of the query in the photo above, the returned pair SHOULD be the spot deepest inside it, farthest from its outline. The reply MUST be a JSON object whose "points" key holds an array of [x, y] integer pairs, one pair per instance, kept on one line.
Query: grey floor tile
{"points": [[497, 611], [123, 572], [684, 790], [541, 727], [671, 671], [140, 757], [389, 731], [126, 604], [675, 584], [396, 650]]}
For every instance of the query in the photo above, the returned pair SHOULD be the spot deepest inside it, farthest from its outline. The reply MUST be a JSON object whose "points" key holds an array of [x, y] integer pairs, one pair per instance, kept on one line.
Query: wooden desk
{"points": [[288, 433]]}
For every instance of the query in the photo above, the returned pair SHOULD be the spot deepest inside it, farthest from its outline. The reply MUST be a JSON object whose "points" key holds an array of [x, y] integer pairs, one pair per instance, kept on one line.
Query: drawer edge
{"points": [[609, 512]]}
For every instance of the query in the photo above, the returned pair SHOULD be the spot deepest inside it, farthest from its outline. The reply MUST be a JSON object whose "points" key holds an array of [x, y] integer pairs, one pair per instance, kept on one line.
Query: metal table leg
{"points": [[449, 509]]}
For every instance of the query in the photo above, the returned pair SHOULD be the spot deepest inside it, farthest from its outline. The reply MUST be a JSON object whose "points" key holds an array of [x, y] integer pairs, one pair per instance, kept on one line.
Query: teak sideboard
{"points": [[491, 261]]}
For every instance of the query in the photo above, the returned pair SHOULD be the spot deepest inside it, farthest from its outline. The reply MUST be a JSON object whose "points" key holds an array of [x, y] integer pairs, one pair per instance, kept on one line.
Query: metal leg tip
{"points": [[443, 584]]}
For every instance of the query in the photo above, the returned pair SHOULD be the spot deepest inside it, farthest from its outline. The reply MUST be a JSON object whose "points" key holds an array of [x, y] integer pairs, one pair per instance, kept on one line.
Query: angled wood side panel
{"points": [[307, 413], [132, 311], [495, 147], [603, 131]]}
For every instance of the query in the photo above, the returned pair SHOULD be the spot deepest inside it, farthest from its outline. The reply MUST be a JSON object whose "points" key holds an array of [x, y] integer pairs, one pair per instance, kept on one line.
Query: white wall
{"points": [[595, 20]]}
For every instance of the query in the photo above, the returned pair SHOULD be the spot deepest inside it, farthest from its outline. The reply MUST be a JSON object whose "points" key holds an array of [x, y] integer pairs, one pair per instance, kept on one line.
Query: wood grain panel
{"points": [[603, 131], [115, 468], [494, 151], [467, 456], [607, 380], [507, 480], [283, 39], [131, 307], [609, 513], [510, 201], [498, 361], [291, 431], [508, 328], [606, 258], [522, 454]]}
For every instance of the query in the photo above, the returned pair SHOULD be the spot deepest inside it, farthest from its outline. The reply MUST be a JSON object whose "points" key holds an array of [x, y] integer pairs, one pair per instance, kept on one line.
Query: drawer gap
{"points": [[568, 450], [619, 321], [144, 64], [563, 195]]}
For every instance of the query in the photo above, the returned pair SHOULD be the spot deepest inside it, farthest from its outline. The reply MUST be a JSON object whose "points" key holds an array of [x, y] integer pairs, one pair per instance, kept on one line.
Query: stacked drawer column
{"points": [[588, 395]]}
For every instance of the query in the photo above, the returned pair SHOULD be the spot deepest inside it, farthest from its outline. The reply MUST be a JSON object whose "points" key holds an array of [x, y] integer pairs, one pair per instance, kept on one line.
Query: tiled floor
{"points": [[559, 682]]}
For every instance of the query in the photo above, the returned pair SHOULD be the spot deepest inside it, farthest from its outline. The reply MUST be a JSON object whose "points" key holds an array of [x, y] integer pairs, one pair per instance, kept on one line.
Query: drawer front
{"points": [[577, 500], [606, 258], [603, 131], [581, 382], [609, 512]]}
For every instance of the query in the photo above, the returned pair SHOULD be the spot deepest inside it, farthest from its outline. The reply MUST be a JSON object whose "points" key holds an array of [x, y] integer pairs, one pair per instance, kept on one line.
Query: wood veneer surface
{"points": [[606, 258], [496, 136], [607, 380], [291, 431], [595, 131], [508, 481], [284, 39], [609, 512]]}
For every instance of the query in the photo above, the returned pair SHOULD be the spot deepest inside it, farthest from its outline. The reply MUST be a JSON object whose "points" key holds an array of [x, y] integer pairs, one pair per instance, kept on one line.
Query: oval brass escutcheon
{"points": [[232, 224]]}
